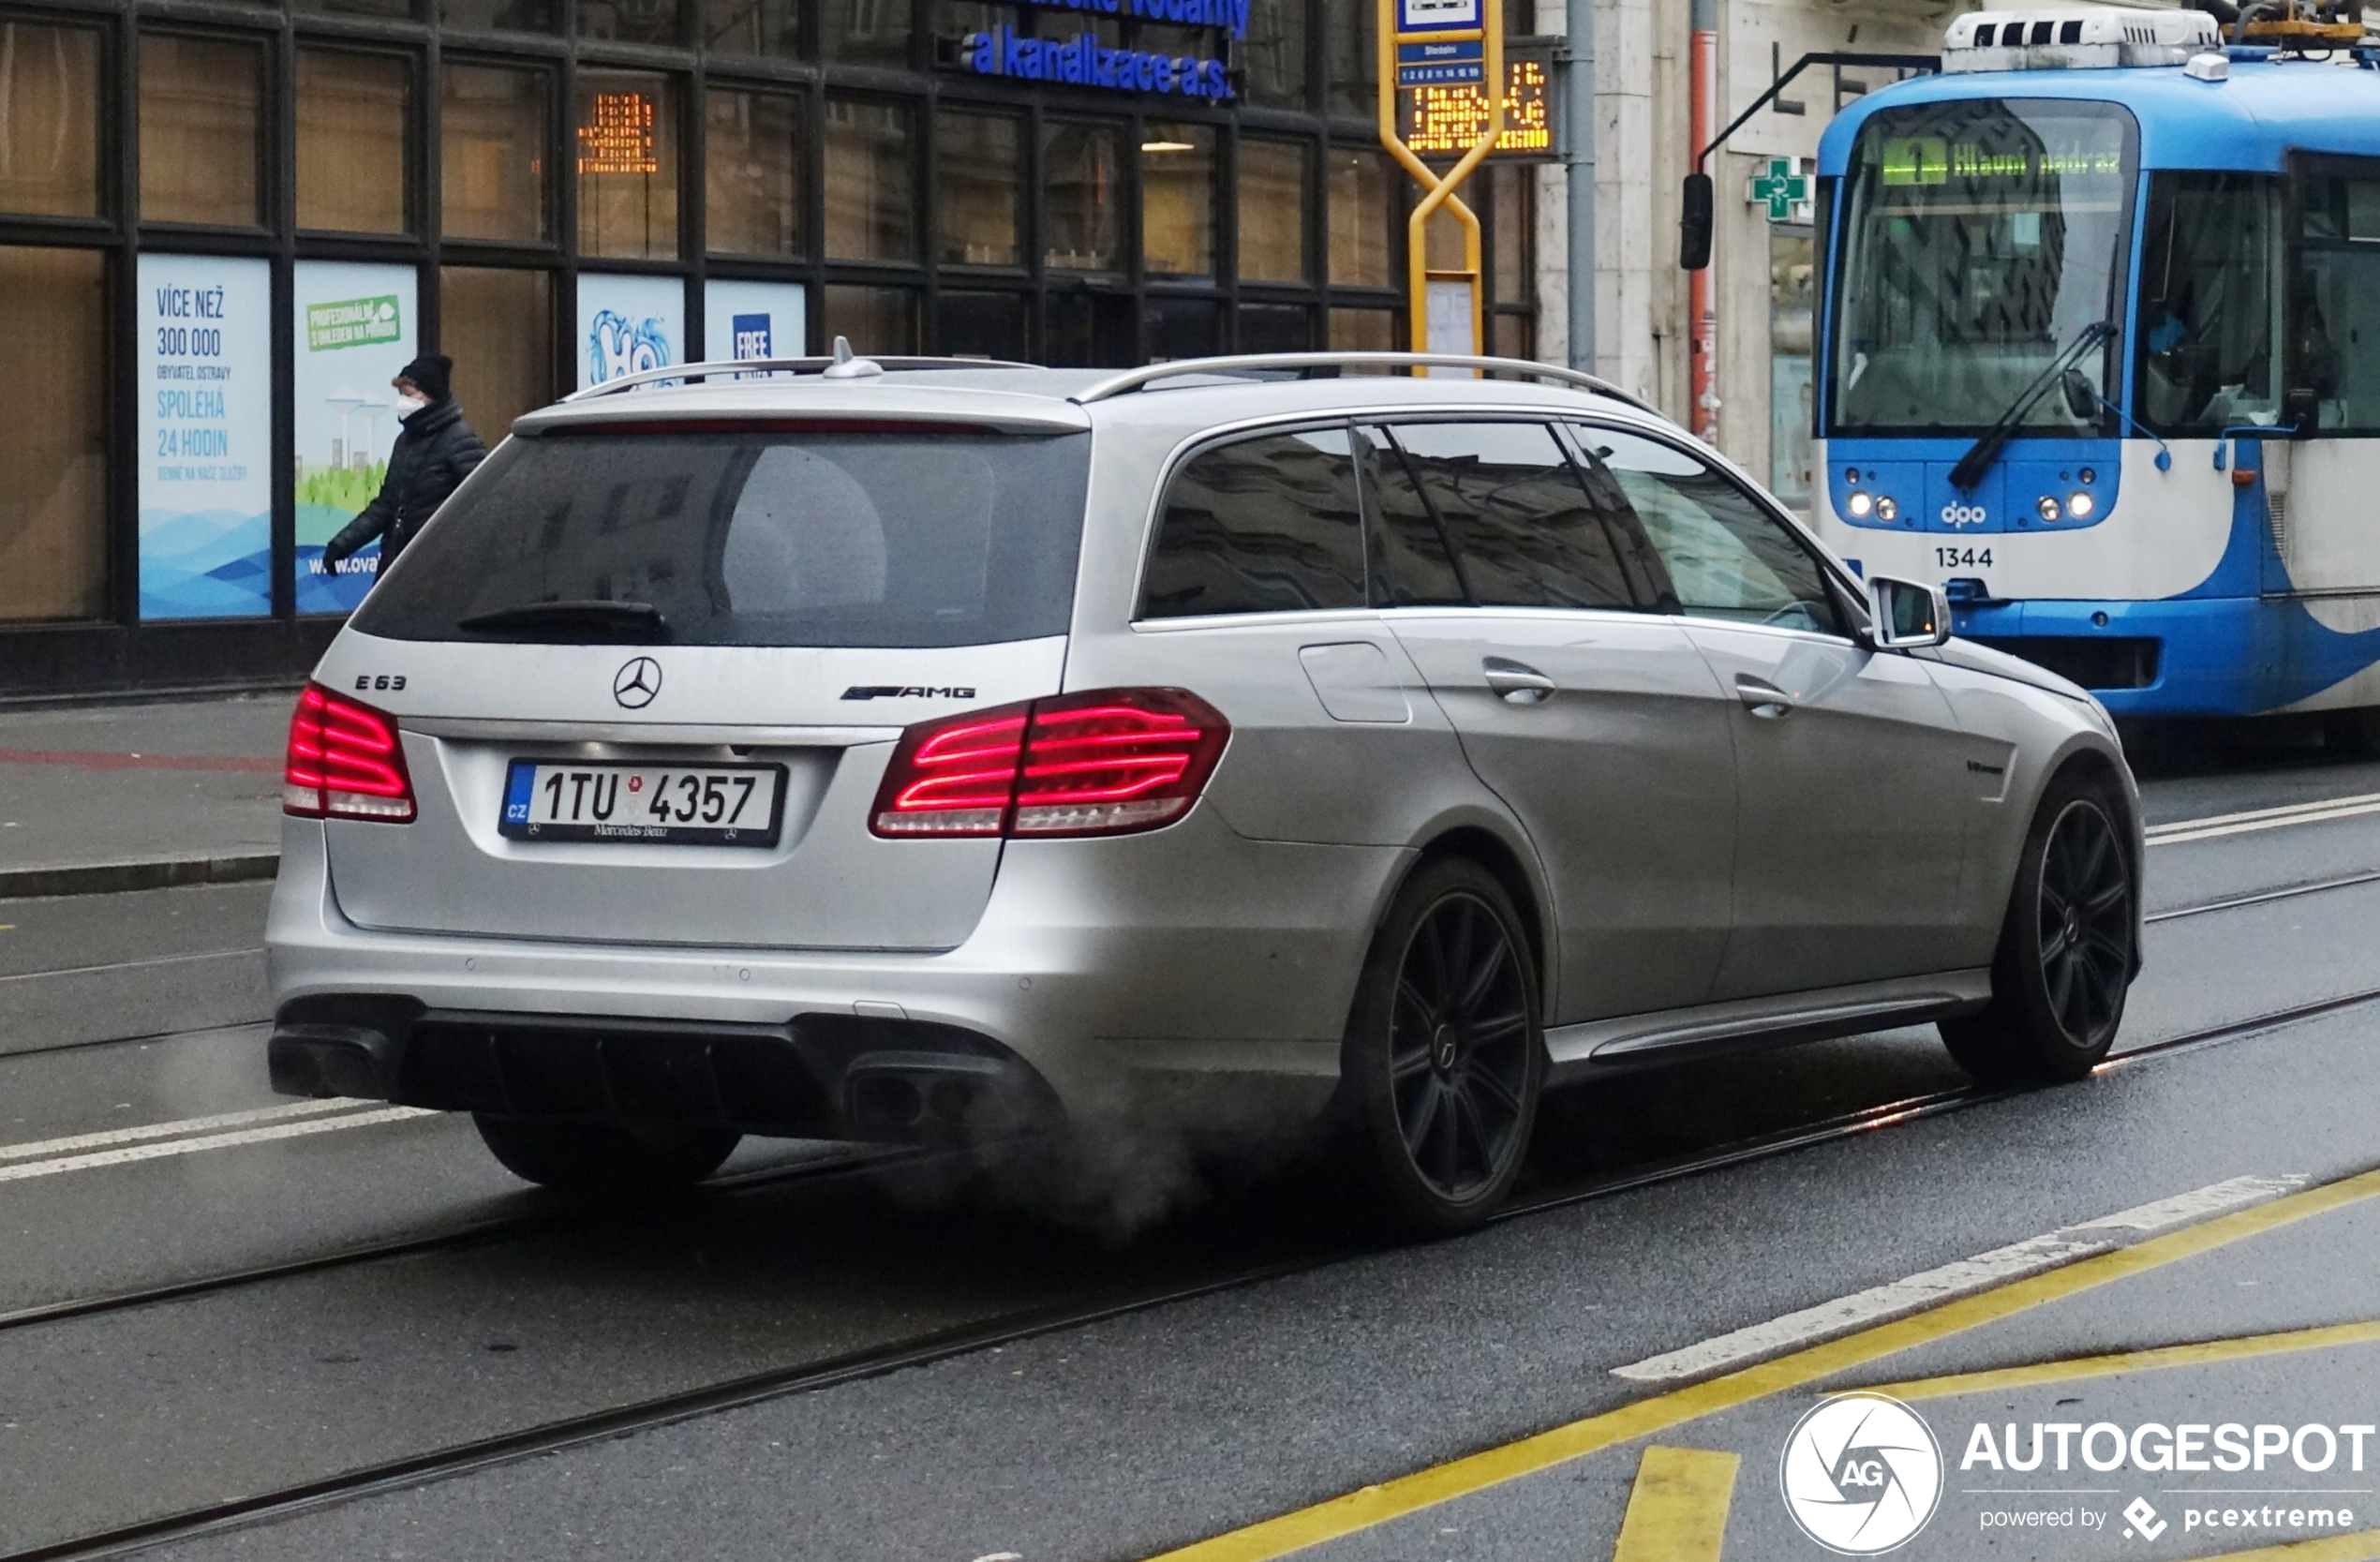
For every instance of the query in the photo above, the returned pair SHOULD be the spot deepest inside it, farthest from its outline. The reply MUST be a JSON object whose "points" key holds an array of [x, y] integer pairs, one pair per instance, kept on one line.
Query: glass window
{"points": [[2333, 315], [1274, 55], [1273, 207], [871, 188], [1793, 266], [1363, 331], [1511, 336], [1275, 327], [2208, 302], [53, 515], [1090, 329], [509, 16], [387, 10], [627, 165], [1361, 185], [1176, 200], [1183, 327], [752, 175], [1524, 531], [492, 156], [771, 27], [1080, 177], [877, 319], [498, 328], [1982, 237], [49, 117], [976, 178], [761, 539], [632, 21], [1723, 554], [1351, 47], [867, 32], [1511, 210], [1413, 568], [980, 324], [201, 104], [1261, 525], [352, 116]]}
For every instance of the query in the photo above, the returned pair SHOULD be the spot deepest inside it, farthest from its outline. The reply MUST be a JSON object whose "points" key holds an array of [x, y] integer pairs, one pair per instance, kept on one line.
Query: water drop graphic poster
{"points": [[627, 325], [353, 328], [204, 390]]}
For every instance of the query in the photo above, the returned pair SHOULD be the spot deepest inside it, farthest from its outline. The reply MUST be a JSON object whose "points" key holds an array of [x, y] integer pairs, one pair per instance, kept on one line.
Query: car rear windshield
{"points": [[749, 537]]}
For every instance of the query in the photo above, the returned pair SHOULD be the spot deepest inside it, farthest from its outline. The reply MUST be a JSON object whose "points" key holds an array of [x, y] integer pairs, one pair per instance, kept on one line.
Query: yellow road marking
{"points": [[1677, 1510], [2362, 1546], [2240, 1348], [1361, 1510]]}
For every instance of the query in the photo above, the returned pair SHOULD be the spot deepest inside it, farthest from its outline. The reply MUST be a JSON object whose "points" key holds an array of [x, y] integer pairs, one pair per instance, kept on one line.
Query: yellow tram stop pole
{"points": [[1444, 35]]}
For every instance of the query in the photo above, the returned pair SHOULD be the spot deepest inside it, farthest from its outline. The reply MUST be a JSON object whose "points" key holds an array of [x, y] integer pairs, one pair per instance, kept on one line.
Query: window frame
{"points": [[1216, 439], [2292, 291]]}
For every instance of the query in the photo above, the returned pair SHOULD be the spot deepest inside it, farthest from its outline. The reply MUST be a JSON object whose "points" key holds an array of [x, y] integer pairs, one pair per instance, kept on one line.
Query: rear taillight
{"points": [[344, 762], [1105, 763]]}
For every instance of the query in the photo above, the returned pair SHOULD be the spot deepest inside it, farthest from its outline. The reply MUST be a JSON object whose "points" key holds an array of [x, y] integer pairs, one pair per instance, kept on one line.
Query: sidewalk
{"points": [[137, 796]]}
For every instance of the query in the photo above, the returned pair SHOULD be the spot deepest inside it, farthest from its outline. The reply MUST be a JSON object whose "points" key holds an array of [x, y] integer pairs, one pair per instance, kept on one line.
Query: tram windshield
{"points": [[1980, 239]]}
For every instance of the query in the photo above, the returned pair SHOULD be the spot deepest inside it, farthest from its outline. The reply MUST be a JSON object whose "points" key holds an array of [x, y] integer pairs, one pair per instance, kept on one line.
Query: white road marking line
{"points": [[38, 1148], [1881, 1304], [2263, 819], [217, 1141], [133, 965]]}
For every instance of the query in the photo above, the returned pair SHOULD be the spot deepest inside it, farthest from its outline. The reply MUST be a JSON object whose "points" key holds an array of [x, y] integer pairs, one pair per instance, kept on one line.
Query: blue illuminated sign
{"points": [[1083, 61]]}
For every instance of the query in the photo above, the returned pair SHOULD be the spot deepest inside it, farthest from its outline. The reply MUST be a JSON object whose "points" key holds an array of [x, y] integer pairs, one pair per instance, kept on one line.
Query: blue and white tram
{"points": [[2102, 352]]}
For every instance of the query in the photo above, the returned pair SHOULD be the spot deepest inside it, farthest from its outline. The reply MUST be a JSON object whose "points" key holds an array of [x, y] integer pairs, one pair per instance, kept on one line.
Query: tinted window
{"points": [[1524, 531], [758, 539], [1415, 567], [1261, 525], [2207, 268], [1725, 555]]}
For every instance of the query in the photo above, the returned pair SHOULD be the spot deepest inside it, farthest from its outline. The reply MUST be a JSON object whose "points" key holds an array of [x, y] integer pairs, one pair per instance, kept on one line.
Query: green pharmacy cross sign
{"points": [[1784, 189]]}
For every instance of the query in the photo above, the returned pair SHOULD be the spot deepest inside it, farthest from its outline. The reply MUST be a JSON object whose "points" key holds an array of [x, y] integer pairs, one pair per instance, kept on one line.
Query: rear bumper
{"points": [[1190, 971]]}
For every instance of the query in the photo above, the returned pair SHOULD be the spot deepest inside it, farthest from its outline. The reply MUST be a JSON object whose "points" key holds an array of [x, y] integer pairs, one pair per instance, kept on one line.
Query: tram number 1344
{"points": [[1951, 558]]}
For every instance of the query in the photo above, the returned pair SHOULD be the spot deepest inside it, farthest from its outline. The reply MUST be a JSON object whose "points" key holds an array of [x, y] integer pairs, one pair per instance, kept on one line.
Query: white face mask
{"points": [[407, 406]]}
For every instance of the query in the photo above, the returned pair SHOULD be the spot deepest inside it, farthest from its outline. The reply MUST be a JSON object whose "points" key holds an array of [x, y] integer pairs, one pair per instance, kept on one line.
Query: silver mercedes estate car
{"points": [[924, 749]]}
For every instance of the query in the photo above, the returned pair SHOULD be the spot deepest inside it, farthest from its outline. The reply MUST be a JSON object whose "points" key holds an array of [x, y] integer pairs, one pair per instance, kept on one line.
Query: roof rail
{"points": [[732, 369], [1309, 362]]}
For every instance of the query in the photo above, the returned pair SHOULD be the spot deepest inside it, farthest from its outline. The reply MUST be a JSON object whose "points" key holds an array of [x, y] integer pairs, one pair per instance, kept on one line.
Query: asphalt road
{"points": [[1266, 1352]]}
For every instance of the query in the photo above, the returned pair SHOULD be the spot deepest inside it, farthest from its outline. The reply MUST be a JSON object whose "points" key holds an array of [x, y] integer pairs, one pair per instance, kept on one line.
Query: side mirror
{"points": [[2082, 396], [1694, 224], [2301, 412], [1903, 613]]}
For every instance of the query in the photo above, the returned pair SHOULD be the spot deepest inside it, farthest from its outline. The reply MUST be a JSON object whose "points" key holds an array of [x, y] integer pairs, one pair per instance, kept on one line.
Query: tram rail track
{"points": [[465, 1457]]}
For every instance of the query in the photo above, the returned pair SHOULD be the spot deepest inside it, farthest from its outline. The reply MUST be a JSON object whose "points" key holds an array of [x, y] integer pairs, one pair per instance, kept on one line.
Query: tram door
{"points": [[2326, 543]]}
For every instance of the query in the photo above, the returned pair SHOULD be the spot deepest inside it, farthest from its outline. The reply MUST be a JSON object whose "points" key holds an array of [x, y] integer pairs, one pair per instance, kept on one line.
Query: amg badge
{"points": [[905, 691]]}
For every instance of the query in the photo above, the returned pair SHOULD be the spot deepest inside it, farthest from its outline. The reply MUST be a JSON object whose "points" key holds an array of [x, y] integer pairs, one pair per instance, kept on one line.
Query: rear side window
{"points": [[757, 538], [1266, 524], [1525, 532], [1415, 569]]}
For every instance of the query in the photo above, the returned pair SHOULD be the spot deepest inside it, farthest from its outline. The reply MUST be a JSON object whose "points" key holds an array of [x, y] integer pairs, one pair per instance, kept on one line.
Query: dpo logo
{"points": [[1861, 1474], [1963, 515]]}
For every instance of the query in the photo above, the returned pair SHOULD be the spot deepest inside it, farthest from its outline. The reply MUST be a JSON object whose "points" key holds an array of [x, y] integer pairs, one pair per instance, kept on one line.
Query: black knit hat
{"points": [[433, 372]]}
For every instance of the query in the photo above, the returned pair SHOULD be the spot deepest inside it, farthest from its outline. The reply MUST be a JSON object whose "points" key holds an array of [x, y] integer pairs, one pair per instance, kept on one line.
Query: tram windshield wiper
{"points": [[1986, 450]]}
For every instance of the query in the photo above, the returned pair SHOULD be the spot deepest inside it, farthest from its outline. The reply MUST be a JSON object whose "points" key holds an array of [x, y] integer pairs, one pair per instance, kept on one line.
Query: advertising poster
{"points": [[204, 368], [628, 324], [352, 329], [753, 320]]}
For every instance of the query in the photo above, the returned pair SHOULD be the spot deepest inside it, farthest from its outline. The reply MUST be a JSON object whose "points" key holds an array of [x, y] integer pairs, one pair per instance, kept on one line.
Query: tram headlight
{"points": [[2048, 508], [2080, 506], [1860, 505], [1887, 509]]}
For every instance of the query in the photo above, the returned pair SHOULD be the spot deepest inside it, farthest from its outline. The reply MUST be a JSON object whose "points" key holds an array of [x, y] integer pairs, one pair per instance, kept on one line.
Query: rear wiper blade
{"points": [[1986, 450], [639, 620]]}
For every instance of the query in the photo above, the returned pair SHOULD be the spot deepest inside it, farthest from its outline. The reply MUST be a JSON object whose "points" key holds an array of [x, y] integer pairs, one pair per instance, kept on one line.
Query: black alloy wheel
{"points": [[2068, 948], [1444, 1050]]}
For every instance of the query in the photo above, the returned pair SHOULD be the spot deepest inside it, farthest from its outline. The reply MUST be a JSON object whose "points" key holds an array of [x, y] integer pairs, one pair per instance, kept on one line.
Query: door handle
{"points": [[1516, 681], [1763, 698]]}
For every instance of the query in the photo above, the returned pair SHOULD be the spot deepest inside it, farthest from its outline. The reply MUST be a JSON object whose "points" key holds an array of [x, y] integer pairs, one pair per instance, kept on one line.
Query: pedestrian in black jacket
{"points": [[436, 450]]}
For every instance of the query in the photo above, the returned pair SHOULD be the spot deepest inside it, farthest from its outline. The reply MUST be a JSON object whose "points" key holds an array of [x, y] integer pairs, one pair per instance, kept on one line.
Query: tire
{"points": [[2067, 948], [1444, 1057], [606, 1157]]}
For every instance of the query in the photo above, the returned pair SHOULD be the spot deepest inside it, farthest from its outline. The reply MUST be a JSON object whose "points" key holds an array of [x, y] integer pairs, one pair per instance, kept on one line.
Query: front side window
{"points": [[1523, 530], [1725, 556], [1980, 239], [1268, 525], [2208, 258], [2333, 309]]}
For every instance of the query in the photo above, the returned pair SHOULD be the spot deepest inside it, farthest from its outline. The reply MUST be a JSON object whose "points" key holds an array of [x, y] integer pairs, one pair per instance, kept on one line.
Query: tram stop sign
{"points": [[1784, 189]]}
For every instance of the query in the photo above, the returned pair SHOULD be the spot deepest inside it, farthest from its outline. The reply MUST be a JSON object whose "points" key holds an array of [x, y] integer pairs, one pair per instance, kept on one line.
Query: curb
{"points": [[110, 878]]}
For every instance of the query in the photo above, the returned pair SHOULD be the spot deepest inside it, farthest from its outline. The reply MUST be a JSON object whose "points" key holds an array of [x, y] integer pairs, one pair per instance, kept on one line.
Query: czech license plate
{"points": [[668, 804]]}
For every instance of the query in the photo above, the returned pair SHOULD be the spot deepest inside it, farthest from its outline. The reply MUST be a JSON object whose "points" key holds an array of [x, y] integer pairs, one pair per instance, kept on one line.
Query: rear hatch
{"points": [[739, 612]]}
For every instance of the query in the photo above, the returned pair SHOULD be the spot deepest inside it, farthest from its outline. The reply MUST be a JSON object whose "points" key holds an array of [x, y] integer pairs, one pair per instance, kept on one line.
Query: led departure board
{"points": [[1444, 121], [617, 135]]}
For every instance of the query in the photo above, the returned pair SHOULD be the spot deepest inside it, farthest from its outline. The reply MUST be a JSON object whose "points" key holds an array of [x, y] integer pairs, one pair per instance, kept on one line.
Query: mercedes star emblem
{"points": [[635, 684]]}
